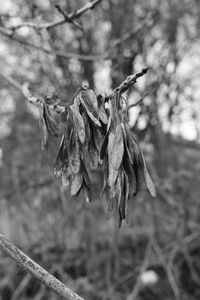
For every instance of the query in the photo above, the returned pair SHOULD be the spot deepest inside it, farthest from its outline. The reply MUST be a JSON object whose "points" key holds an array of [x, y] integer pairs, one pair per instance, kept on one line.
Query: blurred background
{"points": [[157, 254]]}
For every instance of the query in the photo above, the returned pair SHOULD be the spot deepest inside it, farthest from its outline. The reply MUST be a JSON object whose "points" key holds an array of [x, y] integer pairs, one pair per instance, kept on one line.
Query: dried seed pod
{"points": [[45, 136], [142, 173], [128, 145], [74, 154], [112, 172], [97, 136], [118, 148], [61, 158], [89, 109], [129, 170], [76, 183], [102, 115], [79, 123], [122, 200], [49, 122]]}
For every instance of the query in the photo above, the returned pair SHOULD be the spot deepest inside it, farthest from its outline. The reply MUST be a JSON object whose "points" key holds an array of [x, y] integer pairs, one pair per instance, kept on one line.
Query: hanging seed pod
{"points": [[90, 106], [122, 200], [93, 156], [61, 159], [49, 125], [112, 172], [79, 123], [74, 154], [45, 136], [76, 183], [142, 173], [97, 136], [51, 121], [118, 148], [95, 132]]}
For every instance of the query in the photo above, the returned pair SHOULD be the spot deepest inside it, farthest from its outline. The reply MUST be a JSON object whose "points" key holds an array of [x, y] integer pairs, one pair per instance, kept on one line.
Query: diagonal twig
{"points": [[36, 270], [67, 18]]}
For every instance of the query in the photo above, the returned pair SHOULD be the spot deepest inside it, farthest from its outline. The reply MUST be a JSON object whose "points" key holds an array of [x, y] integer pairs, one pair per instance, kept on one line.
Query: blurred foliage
{"points": [[72, 239]]}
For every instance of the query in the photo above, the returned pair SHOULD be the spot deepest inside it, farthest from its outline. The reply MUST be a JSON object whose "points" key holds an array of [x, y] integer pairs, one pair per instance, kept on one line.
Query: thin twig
{"points": [[21, 287], [67, 55], [70, 17], [13, 82], [67, 18], [129, 81], [36, 270]]}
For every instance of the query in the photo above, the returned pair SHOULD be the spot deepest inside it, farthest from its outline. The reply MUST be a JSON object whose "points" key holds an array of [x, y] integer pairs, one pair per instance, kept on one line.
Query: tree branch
{"points": [[36, 270], [66, 55], [123, 87], [67, 18], [128, 82]]}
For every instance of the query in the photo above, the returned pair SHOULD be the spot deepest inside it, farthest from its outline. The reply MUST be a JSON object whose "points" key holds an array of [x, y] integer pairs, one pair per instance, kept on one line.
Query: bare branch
{"points": [[67, 18], [129, 81], [13, 82], [124, 86], [36, 270], [66, 55]]}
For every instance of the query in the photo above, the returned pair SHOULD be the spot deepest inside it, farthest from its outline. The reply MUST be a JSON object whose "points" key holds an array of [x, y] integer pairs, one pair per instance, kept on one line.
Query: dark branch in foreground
{"points": [[36, 270]]}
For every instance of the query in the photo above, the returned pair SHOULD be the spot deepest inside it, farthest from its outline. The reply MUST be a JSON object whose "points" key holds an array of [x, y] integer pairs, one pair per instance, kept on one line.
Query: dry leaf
{"points": [[74, 154], [76, 183], [90, 114], [60, 160], [79, 123], [112, 172], [118, 148]]}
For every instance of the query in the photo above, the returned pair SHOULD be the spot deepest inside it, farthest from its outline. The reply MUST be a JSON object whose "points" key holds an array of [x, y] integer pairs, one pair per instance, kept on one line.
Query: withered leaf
{"points": [[79, 123], [105, 141], [93, 155], [91, 100], [74, 154], [45, 136], [118, 148], [127, 194], [112, 172], [63, 117], [105, 176], [122, 200], [97, 136], [51, 120], [148, 180], [102, 115], [128, 169], [85, 175], [104, 146], [60, 160], [65, 180], [90, 114], [141, 170], [87, 128], [76, 183], [129, 148]]}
